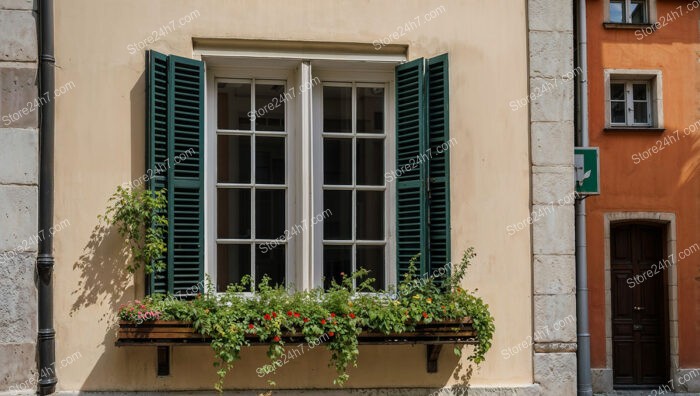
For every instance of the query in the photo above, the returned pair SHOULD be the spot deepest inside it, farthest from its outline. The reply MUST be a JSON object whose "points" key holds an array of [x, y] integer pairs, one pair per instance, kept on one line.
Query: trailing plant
{"points": [[334, 317], [138, 216]]}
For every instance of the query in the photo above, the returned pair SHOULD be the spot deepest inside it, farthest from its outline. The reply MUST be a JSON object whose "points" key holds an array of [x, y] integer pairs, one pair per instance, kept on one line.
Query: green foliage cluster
{"points": [[337, 315], [139, 217]]}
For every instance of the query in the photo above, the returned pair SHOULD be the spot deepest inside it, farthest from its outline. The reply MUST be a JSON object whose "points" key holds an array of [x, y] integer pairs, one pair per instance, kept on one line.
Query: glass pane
{"points": [[639, 91], [371, 258], [370, 110], [269, 160], [270, 213], [232, 263], [233, 217], [233, 157], [233, 106], [638, 12], [617, 91], [269, 107], [640, 113], [337, 109], [337, 260], [370, 162], [617, 112], [337, 161], [271, 263], [617, 11], [370, 215], [338, 224]]}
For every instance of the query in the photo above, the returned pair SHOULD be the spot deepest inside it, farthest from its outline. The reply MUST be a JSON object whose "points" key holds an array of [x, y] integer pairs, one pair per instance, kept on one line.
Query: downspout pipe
{"points": [[45, 259], [583, 336]]}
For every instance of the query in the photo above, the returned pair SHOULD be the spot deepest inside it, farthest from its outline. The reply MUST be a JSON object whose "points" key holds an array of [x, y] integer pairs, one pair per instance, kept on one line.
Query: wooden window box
{"points": [[167, 334]]}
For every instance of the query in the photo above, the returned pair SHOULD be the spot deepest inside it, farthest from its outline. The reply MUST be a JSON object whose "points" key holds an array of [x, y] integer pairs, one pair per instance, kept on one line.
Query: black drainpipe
{"points": [[45, 259]]}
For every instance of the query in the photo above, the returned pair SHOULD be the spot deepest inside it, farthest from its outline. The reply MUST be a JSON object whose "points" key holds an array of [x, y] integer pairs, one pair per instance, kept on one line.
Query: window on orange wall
{"points": [[629, 11], [630, 103]]}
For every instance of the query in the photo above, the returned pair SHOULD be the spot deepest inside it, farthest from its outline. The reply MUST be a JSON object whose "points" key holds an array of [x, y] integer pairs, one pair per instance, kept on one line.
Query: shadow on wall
{"points": [[104, 280]]}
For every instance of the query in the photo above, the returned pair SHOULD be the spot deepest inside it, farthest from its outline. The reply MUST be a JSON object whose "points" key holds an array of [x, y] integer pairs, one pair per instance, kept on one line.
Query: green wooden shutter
{"points": [[157, 125], [438, 135], [411, 219], [422, 164], [176, 144]]}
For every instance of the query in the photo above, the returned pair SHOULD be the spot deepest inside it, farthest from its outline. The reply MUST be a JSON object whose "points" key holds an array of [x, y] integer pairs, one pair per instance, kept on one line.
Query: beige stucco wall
{"points": [[100, 137]]}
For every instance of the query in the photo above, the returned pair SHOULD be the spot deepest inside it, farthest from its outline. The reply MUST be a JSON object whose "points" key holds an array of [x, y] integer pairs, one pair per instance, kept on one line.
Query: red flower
{"points": [[274, 314], [297, 314], [332, 315], [425, 314], [330, 333], [251, 326], [276, 339], [290, 313], [352, 315], [323, 321], [267, 317]]}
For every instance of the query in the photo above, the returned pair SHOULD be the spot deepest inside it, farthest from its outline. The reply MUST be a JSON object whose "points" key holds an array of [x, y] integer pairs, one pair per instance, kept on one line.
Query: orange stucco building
{"points": [[643, 231]]}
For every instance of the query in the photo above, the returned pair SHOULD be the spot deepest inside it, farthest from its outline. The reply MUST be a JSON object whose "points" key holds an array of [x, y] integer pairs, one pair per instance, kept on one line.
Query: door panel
{"points": [[640, 356]]}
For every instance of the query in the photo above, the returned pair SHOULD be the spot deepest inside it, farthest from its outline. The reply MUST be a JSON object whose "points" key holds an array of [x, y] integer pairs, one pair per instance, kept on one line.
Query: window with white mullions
{"points": [[630, 103], [629, 11], [354, 187], [251, 181]]}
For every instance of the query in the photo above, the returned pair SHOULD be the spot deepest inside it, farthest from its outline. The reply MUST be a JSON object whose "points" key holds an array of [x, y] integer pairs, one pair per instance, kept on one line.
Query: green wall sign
{"points": [[587, 170]]}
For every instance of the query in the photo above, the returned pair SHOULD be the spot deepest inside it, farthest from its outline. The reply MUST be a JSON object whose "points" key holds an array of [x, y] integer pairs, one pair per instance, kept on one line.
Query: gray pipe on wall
{"points": [[583, 336], [45, 260]]}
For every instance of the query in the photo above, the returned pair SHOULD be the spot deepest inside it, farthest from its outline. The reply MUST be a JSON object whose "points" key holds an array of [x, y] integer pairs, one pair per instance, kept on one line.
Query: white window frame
{"points": [[253, 185], [650, 13], [630, 114], [654, 81], [303, 155], [357, 79]]}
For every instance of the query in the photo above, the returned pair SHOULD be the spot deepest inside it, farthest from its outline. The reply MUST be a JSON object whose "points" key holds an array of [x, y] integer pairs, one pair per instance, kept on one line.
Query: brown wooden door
{"points": [[638, 300]]}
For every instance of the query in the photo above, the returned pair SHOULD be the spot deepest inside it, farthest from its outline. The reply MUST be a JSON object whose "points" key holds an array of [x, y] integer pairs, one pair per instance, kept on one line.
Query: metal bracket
{"points": [[163, 361], [432, 355]]}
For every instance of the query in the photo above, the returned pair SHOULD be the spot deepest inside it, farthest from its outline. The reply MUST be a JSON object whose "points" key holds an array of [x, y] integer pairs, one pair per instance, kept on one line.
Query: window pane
{"points": [[337, 260], [337, 109], [270, 213], [370, 215], [617, 112], [338, 225], [234, 106], [269, 107], [617, 91], [370, 110], [233, 217], [232, 263], [370, 162], [640, 113], [638, 11], [617, 11], [270, 263], [269, 160], [337, 161], [639, 91], [371, 258], [233, 157]]}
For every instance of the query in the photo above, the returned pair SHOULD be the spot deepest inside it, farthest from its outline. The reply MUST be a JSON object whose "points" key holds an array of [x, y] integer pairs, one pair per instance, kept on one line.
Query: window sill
{"points": [[618, 25], [634, 129]]}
